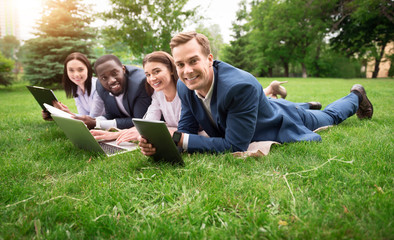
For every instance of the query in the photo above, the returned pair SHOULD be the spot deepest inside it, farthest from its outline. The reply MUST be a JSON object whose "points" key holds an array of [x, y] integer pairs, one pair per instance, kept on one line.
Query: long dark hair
{"points": [[69, 87], [164, 58]]}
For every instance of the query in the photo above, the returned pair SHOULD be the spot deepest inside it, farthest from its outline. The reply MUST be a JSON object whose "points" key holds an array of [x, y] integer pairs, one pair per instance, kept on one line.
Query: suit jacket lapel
{"points": [[212, 127]]}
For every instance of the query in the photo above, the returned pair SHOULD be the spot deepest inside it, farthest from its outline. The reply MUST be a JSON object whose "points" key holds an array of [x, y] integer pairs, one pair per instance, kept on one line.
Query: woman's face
{"points": [[158, 76], [77, 72]]}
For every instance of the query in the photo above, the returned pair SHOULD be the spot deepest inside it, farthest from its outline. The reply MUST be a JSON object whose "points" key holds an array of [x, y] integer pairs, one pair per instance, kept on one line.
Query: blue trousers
{"points": [[333, 114]]}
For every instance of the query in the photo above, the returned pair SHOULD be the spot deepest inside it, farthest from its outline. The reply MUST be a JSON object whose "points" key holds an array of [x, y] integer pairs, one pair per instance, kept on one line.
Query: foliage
{"points": [[145, 25], [9, 46], [287, 32], [6, 65], [279, 37], [62, 30], [391, 58], [215, 38], [239, 53], [333, 64], [364, 27], [50, 189], [118, 49]]}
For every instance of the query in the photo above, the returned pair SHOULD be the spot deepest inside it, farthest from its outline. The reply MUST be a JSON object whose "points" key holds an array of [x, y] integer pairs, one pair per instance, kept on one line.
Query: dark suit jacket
{"points": [[135, 99], [241, 113]]}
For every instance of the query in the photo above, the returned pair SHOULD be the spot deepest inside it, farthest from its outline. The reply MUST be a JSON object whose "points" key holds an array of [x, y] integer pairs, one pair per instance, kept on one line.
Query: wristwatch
{"points": [[176, 137]]}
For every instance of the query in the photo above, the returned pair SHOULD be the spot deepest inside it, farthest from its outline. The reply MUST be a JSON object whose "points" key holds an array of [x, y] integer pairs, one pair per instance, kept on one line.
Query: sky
{"points": [[220, 12]]}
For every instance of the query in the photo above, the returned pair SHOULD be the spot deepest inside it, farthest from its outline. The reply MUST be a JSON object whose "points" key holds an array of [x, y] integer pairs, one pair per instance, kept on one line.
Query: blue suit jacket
{"points": [[135, 99], [241, 114]]}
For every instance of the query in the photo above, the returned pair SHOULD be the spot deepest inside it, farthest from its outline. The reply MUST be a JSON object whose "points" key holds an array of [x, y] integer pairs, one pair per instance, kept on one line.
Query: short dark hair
{"points": [[164, 58], [184, 37], [106, 58], [69, 86]]}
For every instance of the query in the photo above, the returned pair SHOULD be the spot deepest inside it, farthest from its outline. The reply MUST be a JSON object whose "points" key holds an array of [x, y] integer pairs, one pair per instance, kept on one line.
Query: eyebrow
{"points": [[195, 56]]}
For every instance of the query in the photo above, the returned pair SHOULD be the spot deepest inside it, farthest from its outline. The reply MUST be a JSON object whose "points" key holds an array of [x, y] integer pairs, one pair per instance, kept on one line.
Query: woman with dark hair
{"points": [[79, 83]]}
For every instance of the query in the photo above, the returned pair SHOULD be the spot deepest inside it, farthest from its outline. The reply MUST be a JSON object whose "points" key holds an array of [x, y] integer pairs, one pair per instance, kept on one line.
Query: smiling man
{"points": [[122, 89], [230, 106]]}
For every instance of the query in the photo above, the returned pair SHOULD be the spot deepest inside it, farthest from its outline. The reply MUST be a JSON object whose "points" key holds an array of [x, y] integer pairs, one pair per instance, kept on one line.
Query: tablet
{"points": [[42, 95], [156, 132]]}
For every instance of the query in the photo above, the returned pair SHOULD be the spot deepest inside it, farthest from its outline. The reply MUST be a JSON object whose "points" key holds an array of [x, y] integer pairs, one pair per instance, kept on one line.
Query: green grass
{"points": [[51, 190]]}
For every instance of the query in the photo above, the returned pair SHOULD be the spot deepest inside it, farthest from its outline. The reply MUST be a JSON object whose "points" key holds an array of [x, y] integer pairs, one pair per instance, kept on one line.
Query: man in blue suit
{"points": [[122, 89], [230, 106]]}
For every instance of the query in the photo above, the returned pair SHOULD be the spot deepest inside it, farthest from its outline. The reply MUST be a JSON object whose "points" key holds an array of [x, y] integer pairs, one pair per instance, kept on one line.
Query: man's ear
{"points": [[210, 59], [124, 69]]}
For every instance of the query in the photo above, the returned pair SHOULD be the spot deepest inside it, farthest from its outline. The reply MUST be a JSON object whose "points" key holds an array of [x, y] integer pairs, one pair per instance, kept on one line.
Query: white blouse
{"points": [[171, 111], [89, 105]]}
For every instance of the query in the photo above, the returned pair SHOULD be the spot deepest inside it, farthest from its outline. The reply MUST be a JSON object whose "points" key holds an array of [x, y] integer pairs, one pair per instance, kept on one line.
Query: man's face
{"points": [[111, 76], [193, 67]]}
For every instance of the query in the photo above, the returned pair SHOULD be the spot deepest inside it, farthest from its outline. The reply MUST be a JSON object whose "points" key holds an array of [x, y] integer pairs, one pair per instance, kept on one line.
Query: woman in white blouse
{"points": [[79, 83]]}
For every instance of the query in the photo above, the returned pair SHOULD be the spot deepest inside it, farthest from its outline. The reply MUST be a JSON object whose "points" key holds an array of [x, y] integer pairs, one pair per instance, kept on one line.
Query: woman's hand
{"points": [[127, 135], [62, 107], [104, 135]]}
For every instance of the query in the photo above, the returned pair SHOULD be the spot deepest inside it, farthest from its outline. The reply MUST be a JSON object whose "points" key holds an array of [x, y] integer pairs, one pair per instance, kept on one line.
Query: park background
{"points": [[271, 38], [340, 188]]}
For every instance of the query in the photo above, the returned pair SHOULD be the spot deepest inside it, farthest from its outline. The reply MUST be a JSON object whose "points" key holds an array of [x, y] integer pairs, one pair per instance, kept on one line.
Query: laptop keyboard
{"points": [[109, 149]]}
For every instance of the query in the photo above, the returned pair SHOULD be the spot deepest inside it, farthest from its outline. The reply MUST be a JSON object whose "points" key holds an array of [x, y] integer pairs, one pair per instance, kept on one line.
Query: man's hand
{"points": [[275, 89], [128, 135], [146, 148], [104, 135], [89, 121]]}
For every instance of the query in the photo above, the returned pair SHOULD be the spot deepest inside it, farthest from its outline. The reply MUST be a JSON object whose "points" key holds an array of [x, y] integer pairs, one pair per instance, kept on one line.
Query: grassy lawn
{"points": [[340, 188]]}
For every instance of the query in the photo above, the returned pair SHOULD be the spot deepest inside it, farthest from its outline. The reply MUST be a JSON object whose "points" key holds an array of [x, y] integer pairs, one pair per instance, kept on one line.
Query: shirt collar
{"points": [[209, 94]]}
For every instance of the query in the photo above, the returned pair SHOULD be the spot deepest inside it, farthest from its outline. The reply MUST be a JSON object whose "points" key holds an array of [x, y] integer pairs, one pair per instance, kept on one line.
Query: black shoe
{"points": [[314, 105], [365, 108]]}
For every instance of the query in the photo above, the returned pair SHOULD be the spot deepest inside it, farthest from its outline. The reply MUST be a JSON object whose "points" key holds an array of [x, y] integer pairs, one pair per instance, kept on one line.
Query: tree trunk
{"points": [[270, 71], [316, 60], [286, 67], [304, 74], [377, 62]]}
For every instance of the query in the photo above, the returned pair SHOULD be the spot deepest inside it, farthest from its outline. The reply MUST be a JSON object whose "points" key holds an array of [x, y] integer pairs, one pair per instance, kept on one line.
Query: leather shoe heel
{"points": [[314, 105], [365, 108]]}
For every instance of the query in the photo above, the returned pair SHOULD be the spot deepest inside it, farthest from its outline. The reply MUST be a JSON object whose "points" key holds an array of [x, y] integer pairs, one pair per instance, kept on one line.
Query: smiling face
{"points": [[158, 76], [111, 76], [194, 68], [77, 72]]}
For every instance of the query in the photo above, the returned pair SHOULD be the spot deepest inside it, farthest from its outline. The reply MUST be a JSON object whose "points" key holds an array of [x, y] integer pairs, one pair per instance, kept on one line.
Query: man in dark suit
{"points": [[230, 106], [122, 89]]}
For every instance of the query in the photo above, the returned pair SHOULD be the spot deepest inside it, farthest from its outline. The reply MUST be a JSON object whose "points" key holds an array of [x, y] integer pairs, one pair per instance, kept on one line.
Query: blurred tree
{"points": [[145, 25], [6, 65], [9, 45], [215, 38], [333, 64], [364, 28], [287, 32], [63, 29], [118, 49], [239, 52]]}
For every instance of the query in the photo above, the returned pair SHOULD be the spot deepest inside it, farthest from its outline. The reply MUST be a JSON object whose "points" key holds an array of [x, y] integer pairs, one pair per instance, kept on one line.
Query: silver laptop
{"points": [[81, 137]]}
